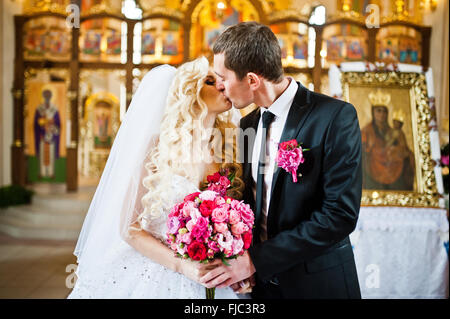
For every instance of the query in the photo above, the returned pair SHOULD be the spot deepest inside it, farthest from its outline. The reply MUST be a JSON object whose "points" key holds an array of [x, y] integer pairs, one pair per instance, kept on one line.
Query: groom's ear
{"points": [[253, 81]]}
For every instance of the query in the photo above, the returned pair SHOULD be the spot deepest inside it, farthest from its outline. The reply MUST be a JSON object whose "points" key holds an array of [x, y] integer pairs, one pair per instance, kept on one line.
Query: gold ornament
{"points": [[379, 98]]}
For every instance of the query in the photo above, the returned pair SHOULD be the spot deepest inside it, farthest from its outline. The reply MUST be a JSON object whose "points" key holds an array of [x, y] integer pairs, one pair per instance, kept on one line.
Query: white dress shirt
{"points": [[280, 108]]}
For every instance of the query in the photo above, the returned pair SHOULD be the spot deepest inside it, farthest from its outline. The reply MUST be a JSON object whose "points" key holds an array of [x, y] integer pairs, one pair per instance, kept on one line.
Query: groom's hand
{"points": [[244, 286], [224, 276]]}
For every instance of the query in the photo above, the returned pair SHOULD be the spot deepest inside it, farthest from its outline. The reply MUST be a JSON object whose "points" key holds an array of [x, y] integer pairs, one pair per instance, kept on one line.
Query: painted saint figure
{"points": [[47, 127], [388, 163]]}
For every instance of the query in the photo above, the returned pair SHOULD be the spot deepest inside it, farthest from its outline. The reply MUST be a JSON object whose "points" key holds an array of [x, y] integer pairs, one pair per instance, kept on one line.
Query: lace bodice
{"points": [[181, 187]]}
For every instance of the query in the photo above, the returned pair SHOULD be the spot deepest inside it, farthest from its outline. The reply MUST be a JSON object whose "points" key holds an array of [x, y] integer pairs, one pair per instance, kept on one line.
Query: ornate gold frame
{"points": [[426, 194]]}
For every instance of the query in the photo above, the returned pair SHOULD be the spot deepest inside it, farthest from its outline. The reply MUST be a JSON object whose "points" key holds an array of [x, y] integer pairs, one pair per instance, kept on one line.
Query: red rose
{"points": [[206, 207], [191, 197], [197, 251], [289, 145], [213, 178], [247, 238]]}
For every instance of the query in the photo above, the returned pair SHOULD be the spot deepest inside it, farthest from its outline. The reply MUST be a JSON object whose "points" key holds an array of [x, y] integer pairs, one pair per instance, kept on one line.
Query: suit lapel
{"points": [[298, 113], [248, 147]]}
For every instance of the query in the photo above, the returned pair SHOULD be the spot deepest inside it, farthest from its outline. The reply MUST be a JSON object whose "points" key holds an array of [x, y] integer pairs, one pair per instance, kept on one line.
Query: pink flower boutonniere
{"points": [[290, 156]]}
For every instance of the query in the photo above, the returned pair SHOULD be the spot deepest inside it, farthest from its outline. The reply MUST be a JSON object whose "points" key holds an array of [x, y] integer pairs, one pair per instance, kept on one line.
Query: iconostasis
{"points": [[73, 84]]}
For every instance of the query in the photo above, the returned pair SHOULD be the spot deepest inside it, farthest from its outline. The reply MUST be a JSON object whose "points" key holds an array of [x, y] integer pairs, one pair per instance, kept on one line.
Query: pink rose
{"points": [[224, 181], [200, 230], [213, 245], [199, 233], [190, 224], [174, 212], [207, 195], [239, 228], [173, 224], [217, 188], [247, 214], [220, 201], [235, 204], [220, 227], [188, 208], [235, 217], [182, 250], [202, 222], [238, 244], [186, 238], [219, 215]]}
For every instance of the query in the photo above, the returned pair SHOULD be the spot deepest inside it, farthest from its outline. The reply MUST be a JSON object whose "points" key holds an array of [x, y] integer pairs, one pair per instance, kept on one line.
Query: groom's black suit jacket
{"points": [[308, 253]]}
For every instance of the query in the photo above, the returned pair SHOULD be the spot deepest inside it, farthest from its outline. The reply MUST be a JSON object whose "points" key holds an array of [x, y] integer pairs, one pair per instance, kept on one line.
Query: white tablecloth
{"points": [[402, 252]]}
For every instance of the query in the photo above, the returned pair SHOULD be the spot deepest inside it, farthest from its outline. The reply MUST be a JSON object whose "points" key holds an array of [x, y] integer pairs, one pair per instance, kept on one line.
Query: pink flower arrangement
{"points": [[289, 157], [219, 224], [208, 225]]}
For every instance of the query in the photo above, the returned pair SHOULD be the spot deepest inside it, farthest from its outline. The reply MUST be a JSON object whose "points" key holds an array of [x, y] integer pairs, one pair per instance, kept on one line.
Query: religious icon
{"points": [[388, 163], [148, 43], [92, 42], [113, 42], [355, 50], [408, 50], [35, 43], [394, 116], [102, 125], [335, 46], [58, 44], [170, 44], [283, 46], [47, 131], [388, 50], [300, 47]]}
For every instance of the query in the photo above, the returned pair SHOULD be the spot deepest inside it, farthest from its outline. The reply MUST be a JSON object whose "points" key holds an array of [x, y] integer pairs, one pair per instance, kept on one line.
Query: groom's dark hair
{"points": [[251, 47]]}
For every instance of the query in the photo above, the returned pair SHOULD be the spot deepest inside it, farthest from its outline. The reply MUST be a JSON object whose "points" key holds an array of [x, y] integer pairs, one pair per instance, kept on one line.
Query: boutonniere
{"points": [[290, 156]]}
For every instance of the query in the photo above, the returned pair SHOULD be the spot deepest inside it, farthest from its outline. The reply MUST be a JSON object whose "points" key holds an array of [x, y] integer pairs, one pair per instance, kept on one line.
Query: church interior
{"points": [[69, 69]]}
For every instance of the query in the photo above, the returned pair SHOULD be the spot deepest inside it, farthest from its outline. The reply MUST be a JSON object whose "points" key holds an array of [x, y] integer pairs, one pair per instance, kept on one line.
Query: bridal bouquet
{"points": [[209, 224]]}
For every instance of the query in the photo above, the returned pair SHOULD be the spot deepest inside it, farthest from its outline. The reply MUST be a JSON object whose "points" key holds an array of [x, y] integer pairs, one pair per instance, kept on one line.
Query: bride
{"points": [[154, 163]]}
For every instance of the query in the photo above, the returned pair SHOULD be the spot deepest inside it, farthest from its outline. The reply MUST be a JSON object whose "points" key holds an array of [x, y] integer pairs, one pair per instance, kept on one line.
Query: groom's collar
{"points": [[302, 96], [282, 104]]}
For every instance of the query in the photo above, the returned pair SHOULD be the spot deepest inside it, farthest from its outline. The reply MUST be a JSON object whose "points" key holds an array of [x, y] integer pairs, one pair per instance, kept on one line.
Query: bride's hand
{"points": [[195, 270]]}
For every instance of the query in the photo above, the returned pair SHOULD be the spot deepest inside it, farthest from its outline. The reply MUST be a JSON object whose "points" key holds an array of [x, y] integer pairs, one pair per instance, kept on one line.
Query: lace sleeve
{"points": [[136, 190]]}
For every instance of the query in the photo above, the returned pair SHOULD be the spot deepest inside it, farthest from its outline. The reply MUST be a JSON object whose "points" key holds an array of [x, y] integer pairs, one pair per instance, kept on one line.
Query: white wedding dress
{"points": [[124, 273]]}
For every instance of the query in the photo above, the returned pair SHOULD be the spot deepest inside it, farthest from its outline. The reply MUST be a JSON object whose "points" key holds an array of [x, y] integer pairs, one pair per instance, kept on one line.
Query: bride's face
{"points": [[214, 99]]}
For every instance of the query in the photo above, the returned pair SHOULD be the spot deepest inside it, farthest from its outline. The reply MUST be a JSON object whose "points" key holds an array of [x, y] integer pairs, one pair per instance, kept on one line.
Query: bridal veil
{"points": [[117, 195]]}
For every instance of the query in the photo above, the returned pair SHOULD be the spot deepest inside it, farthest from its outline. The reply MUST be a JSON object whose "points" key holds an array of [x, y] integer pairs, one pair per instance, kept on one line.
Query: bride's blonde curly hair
{"points": [[184, 114]]}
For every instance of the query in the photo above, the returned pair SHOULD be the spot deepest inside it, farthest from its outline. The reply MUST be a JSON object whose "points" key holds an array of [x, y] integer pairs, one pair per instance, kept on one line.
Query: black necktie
{"points": [[267, 118]]}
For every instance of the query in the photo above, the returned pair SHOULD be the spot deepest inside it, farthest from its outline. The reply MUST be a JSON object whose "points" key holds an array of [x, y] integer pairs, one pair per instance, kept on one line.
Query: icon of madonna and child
{"points": [[388, 163]]}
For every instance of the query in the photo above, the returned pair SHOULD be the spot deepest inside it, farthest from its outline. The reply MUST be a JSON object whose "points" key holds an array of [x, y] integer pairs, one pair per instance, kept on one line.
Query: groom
{"points": [[301, 246]]}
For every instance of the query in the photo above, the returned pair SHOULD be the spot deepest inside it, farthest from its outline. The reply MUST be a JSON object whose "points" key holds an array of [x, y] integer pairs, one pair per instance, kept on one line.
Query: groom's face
{"points": [[237, 91]]}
